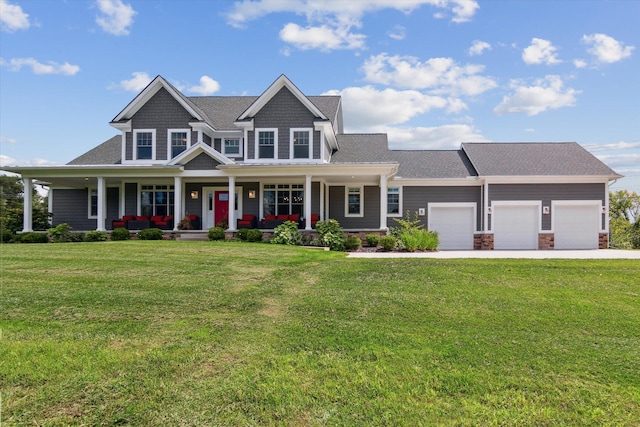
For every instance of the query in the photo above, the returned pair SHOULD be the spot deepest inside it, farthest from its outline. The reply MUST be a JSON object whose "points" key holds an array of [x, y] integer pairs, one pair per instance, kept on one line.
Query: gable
{"points": [[161, 111], [202, 162], [284, 110]]}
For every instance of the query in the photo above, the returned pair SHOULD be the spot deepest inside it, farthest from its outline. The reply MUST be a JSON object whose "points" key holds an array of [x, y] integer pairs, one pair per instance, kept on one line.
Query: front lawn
{"points": [[208, 333]]}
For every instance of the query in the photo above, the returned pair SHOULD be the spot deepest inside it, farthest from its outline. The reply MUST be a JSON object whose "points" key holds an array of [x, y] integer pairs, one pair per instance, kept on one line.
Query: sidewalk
{"points": [[555, 254]]}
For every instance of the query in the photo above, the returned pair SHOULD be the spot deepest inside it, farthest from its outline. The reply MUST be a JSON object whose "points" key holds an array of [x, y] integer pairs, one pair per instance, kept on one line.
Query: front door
{"points": [[221, 207], [215, 205]]}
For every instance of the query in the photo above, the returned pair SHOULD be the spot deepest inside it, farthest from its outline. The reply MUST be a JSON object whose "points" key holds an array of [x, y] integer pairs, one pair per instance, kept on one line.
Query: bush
{"points": [[120, 233], [331, 234], [352, 243], [242, 233], [31, 237], [151, 234], [61, 233], [428, 240], [216, 233], [95, 236], [254, 235], [7, 236], [409, 239], [388, 243], [423, 240], [373, 240], [287, 233]]}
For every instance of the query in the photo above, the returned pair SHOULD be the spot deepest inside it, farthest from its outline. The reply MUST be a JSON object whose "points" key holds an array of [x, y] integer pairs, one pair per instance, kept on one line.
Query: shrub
{"points": [[6, 236], [287, 233], [242, 233], [373, 240], [331, 234], [31, 237], [151, 234], [409, 239], [216, 233], [120, 233], [428, 240], [60, 233], [254, 235], [423, 240], [352, 243], [95, 236], [76, 237], [388, 243]]}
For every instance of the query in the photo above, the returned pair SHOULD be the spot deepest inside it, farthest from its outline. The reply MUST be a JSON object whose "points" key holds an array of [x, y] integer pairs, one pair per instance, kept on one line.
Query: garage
{"points": [[455, 224], [516, 226], [576, 225]]}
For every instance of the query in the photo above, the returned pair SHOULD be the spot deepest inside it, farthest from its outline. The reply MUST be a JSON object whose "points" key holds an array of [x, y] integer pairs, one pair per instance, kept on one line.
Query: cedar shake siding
{"points": [[202, 162], [371, 211]]}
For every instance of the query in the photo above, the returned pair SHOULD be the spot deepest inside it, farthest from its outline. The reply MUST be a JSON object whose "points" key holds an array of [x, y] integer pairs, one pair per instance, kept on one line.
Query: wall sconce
{"points": [[194, 194], [489, 210], [545, 210], [252, 194], [604, 209]]}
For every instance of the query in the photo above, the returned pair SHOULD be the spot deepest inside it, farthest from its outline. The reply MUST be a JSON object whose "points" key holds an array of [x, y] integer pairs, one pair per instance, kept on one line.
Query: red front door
{"points": [[221, 206]]}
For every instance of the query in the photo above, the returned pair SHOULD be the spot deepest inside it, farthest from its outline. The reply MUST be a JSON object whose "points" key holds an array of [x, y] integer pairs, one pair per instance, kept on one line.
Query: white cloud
{"points": [[431, 138], [623, 160], [207, 86], [116, 17], [5, 140], [398, 33], [323, 37], [540, 52], [16, 64], [139, 81], [12, 17], [606, 49], [6, 161], [621, 145], [546, 94], [478, 47], [579, 63], [441, 75]]}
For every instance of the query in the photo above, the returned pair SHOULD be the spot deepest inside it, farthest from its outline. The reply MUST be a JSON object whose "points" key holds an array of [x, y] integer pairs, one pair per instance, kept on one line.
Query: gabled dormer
{"points": [[284, 126]]}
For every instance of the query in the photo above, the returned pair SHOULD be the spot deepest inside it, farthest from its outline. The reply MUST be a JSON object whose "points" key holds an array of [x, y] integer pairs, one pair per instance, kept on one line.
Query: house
{"points": [[285, 155]]}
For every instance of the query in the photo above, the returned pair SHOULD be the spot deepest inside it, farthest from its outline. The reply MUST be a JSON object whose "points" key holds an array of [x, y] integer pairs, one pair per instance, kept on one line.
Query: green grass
{"points": [[207, 333]]}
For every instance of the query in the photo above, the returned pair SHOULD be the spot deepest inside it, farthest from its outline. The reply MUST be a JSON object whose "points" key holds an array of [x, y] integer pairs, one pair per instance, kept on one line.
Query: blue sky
{"points": [[430, 73]]}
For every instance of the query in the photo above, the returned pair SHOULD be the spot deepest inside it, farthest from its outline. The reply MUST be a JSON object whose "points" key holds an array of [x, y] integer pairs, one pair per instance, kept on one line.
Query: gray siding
{"points": [[217, 145], [72, 207], [202, 162], [315, 197], [547, 193], [206, 139], [131, 198], [250, 206], [193, 206], [317, 142], [414, 198], [371, 218]]}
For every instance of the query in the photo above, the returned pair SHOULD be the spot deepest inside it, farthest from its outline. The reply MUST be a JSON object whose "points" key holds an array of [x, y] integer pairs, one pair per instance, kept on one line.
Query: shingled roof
{"points": [[534, 158], [107, 153]]}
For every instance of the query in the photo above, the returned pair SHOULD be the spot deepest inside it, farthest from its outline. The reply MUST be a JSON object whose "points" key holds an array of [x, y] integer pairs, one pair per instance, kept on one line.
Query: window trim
{"points": [[292, 146], [155, 185], [257, 143], [90, 191], [153, 144], [399, 214], [346, 201], [240, 146], [169, 146]]}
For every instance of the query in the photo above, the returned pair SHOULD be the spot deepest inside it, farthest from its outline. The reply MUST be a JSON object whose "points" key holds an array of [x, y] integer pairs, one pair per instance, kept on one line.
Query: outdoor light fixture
{"points": [[194, 194], [252, 194], [545, 210], [489, 210]]}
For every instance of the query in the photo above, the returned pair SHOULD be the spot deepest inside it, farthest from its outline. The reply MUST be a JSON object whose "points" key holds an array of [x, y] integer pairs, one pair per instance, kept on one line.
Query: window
{"points": [[144, 145], [231, 147], [156, 200], [178, 140], [93, 203], [393, 201], [282, 199], [266, 141], [301, 143], [354, 201]]}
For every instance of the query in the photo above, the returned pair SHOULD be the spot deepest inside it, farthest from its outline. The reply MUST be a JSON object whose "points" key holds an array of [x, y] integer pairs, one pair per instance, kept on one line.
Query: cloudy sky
{"points": [[430, 73]]}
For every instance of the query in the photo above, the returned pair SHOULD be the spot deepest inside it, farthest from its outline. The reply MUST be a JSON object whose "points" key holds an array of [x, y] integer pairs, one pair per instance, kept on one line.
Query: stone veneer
{"points": [[483, 242], [603, 241], [546, 241]]}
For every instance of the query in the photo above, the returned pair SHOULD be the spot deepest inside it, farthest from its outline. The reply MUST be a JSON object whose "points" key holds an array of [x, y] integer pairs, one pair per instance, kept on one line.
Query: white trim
{"points": [[346, 201], [257, 143], [196, 149], [292, 145], [214, 188], [400, 209], [169, 147], [27, 203], [135, 145], [89, 190], [223, 147]]}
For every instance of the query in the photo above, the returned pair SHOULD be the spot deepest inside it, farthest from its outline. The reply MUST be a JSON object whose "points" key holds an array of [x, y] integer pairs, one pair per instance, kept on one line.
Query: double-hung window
{"points": [[93, 203], [144, 144], [354, 201], [178, 140], [393, 201], [231, 147], [157, 200], [266, 143], [301, 144], [282, 199]]}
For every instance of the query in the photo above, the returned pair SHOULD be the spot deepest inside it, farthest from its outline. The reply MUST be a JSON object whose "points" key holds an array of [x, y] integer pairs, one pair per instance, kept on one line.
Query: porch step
{"points": [[202, 236]]}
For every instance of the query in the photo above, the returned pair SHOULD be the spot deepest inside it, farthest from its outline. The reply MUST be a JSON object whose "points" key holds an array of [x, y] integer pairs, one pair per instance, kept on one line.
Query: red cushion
{"points": [[118, 223], [157, 218], [283, 217], [161, 223], [247, 217], [192, 217], [168, 218], [142, 218], [270, 217], [315, 217], [294, 217], [128, 217]]}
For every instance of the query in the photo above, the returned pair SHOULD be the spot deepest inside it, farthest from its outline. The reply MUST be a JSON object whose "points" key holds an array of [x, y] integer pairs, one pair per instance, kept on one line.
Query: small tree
{"points": [[12, 206]]}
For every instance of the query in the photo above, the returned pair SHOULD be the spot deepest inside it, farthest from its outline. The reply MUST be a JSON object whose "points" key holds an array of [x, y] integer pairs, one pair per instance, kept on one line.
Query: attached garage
{"points": [[516, 225], [455, 224], [576, 225]]}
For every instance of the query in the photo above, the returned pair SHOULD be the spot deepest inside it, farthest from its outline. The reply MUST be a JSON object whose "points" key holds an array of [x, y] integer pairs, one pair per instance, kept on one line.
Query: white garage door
{"points": [[454, 224], [576, 226], [516, 226]]}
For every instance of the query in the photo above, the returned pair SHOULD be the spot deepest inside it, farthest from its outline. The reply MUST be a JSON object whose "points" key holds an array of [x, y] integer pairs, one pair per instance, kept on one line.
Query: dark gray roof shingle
{"points": [[107, 153], [534, 158]]}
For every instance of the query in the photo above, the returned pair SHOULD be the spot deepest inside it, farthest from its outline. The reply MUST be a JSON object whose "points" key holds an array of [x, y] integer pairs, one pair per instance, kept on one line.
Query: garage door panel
{"points": [[516, 226], [576, 226], [455, 226]]}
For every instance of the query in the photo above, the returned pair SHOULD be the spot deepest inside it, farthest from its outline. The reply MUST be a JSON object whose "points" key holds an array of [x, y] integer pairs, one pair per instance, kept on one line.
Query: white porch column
{"points": [[27, 219], [102, 204], [307, 202], [322, 185], [232, 203], [383, 202], [177, 202]]}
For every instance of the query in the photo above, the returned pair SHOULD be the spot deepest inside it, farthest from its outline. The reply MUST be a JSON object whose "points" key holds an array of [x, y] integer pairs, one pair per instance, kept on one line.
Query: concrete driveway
{"points": [[577, 254]]}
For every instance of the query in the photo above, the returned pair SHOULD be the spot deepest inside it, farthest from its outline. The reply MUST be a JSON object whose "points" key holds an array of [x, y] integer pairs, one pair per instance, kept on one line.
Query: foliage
{"points": [[12, 206], [406, 223], [287, 233], [352, 243], [254, 235], [224, 224], [185, 223], [416, 239], [635, 235], [31, 237], [388, 242], [242, 233], [331, 234], [61, 233], [216, 233], [150, 234], [120, 233], [6, 236], [624, 223], [95, 236], [76, 236], [373, 240]]}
